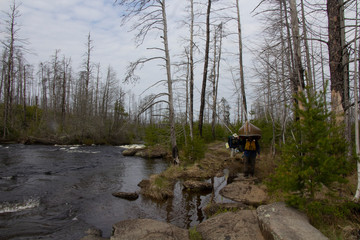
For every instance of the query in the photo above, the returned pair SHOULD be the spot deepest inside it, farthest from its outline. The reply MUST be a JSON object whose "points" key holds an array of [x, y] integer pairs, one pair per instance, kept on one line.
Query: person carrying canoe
{"points": [[249, 135], [251, 149]]}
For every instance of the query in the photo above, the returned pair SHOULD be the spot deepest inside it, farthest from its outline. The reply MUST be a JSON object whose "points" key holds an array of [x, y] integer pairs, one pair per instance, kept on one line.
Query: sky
{"points": [[65, 24]]}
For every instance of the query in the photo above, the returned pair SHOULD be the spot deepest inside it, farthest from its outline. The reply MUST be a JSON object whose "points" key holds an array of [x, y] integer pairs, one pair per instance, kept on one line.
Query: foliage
{"points": [[328, 215], [194, 150], [315, 156], [156, 134], [221, 132]]}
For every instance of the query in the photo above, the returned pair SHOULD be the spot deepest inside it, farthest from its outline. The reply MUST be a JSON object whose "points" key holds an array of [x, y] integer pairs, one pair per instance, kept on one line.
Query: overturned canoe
{"points": [[249, 130]]}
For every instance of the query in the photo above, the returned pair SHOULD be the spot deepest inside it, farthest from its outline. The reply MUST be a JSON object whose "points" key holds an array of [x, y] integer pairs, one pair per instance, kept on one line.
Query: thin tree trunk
{"points": [[175, 151], [191, 113], [24, 100], [242, 81], [356, 73], [307, 51], [205, 71], [213, 118], [283, 127]]}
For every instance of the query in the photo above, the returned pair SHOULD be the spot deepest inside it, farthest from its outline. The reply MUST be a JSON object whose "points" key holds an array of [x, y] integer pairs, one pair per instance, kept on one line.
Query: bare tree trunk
{"points": [[335, 57], [191, 113], [323, 75], [307, 51], [290, 55], [24, 97], [284, 116], [299, 71], [97, 89], [242, 81], [205, 71], [87, 76], [10, 69], [356, 96], [175, 151]]}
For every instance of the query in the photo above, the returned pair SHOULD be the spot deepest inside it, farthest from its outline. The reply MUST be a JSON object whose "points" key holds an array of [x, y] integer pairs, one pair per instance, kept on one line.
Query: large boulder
{"points": [[242, 225], [245, 192], [147, 229], [280, 222]]}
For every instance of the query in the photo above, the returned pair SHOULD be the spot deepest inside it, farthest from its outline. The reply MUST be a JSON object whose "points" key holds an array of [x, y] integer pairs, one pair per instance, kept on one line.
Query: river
{"points": [[58, 192]]}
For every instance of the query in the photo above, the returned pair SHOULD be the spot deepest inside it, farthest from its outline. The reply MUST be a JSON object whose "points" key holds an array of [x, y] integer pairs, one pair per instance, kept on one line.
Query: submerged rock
{"points": [[93, 234], [278, 221], [147, 229], [197, 186], [240, 225], [126, 195]]}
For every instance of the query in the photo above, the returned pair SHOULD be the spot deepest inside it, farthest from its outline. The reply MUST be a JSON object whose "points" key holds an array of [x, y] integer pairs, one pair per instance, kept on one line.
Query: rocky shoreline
{"points": [[248, 218]]}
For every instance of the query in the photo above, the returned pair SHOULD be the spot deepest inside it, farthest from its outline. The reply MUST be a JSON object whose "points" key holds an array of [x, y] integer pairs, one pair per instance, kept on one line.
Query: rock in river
{"points": [[147, 229], [126, 195]]}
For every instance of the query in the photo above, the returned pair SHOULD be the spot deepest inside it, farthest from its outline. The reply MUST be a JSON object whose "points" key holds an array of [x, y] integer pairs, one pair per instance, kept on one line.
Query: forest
{"points": [[305, 96]]}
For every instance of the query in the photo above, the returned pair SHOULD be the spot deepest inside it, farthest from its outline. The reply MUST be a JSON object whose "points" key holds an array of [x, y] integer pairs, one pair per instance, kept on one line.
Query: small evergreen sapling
{"points": [[315, 155]]}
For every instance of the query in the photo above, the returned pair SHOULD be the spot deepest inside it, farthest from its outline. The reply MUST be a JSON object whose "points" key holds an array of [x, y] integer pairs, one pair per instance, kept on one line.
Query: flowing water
{"points": [[58, 192]]}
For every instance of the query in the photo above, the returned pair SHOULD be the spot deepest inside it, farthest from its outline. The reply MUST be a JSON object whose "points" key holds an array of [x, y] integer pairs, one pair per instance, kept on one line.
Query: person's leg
{"points": [[246, 166], [252, 159]]}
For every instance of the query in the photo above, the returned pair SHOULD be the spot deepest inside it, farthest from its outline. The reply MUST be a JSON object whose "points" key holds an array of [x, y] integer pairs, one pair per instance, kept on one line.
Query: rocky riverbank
{"points": [[251, 215], [238, 220]]}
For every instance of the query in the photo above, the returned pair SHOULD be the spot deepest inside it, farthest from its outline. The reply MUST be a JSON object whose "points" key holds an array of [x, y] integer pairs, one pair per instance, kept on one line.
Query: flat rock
{"points": [[278, 221], [197, 186], [245, 192], [242, 225], [126, 195], [147, 229]]}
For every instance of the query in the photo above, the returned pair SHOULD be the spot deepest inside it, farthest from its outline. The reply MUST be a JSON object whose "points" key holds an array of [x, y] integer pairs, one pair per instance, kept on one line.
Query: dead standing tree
{"points": [[205, 72], [9, 44], [150, 15]]}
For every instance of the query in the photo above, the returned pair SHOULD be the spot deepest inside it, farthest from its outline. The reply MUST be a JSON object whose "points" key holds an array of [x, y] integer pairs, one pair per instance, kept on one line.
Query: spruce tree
{"points": [[316, 153]]}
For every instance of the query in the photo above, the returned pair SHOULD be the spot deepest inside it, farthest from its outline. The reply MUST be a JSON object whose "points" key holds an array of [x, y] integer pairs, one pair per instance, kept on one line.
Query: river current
{"points": [[58, 192]]}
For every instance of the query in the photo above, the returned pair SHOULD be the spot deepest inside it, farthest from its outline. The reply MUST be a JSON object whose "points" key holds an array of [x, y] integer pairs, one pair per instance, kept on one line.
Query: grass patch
{"points": [[194, 234]]}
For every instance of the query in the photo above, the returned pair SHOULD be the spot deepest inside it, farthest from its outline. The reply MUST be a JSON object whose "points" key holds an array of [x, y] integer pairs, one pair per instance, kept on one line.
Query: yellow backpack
{"points": [[250, 145]]}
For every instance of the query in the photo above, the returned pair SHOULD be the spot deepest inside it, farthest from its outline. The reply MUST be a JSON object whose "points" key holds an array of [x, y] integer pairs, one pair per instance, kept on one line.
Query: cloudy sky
{"points": [[64, 24]]}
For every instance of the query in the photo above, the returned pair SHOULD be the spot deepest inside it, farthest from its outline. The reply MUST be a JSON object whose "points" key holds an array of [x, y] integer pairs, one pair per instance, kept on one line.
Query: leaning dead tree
{"points": [[150, 15]]}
